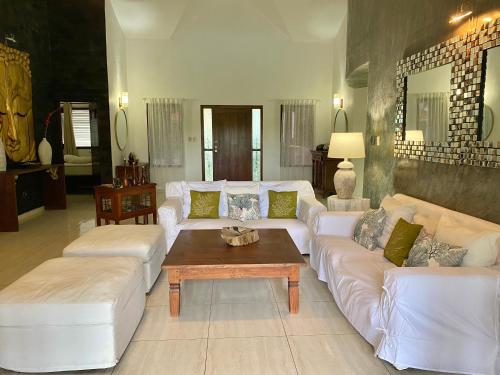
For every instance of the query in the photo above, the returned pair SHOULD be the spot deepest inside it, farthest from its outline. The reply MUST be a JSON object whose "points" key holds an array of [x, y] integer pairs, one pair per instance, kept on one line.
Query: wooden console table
{"points": [[53, 191], [124, 203], [322, 173]]}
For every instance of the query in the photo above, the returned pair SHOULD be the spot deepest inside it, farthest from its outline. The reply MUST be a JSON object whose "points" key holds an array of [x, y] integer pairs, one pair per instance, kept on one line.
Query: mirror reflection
{"points": [[121, 129], [491, 109], [428, 103]]}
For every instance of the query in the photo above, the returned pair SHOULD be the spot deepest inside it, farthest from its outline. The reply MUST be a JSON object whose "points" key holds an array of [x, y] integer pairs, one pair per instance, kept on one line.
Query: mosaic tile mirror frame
{"points": [[466, 54]]}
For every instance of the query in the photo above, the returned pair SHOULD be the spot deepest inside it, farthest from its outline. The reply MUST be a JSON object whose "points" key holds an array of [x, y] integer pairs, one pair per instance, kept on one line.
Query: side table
{"points": [[124, 203], [354, 204]]}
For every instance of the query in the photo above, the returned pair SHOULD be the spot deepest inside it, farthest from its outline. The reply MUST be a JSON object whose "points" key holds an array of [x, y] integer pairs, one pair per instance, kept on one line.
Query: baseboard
{"points": [[30, 214]]}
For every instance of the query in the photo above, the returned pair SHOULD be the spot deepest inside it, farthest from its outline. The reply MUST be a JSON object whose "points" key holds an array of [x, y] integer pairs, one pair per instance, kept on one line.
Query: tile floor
{"points": [[225, 327]]}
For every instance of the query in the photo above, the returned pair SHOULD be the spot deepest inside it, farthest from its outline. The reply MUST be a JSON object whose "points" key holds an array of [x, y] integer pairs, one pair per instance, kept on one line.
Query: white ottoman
{"points": [[71, 314], [143, 241]]}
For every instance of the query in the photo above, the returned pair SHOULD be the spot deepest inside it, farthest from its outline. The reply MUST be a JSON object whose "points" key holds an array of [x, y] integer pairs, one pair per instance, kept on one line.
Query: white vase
{"points": [[3, 159], [45, 152]]}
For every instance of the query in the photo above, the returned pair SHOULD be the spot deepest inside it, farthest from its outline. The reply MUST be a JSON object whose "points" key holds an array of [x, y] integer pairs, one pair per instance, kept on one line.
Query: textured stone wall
{"points": [[66, 40], [383, 35]]}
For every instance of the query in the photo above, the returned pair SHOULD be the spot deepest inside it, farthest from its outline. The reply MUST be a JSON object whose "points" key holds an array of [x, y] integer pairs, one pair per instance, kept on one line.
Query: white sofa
{"points": [[441, 319], [173, 213]]}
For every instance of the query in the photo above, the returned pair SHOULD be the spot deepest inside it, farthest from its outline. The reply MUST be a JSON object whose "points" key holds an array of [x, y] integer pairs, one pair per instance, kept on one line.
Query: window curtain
{"points": [[166, 140], [69, 134], [297, 137], [432, 115]]}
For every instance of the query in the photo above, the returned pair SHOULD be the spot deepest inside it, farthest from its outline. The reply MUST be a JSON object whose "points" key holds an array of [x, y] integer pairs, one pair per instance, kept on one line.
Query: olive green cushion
{"points": [[282, 204], [204, 204], [401, 241]]}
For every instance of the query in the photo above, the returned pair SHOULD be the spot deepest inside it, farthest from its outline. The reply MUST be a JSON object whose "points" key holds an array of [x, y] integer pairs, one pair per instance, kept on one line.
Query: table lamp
{"points": [[346, 145], [414, 135]]}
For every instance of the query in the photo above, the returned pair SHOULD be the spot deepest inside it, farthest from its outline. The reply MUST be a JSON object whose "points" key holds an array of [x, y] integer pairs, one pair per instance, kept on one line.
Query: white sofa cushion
{"points": [[141, 241], [298, 231], [483, 246], [71, 291], [394, 210], [303, 189], [202, 186]]}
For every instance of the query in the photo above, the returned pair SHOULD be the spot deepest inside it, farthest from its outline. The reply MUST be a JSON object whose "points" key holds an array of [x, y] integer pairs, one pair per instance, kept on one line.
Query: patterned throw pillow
{"points": [[428, 252], [369, 227], [243, 206], [282, 204], [204, 204]]}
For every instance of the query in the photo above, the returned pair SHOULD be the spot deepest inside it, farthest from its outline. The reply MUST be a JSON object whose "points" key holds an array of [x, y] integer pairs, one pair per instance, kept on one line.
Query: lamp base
{"points": [[344, 180]]}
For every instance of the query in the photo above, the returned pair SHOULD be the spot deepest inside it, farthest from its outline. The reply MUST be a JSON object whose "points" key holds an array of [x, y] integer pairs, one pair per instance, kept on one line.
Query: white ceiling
{"points": [[299, 20]]}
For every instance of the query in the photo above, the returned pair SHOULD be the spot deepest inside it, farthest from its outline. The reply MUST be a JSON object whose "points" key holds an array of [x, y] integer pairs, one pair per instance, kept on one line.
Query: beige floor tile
{"points": [[314, 318], [186, 357], [245, 320], [334, 354], [193, 292], [242, 291], [309, 290], [107, 371], [157, 324], [393, 371], [249, 356]]}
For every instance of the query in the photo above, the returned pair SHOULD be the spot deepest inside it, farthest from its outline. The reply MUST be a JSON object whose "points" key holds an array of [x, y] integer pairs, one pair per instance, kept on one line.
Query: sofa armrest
{"points": [[445, 310], [336, 223], [309, 208], [170, 212]]}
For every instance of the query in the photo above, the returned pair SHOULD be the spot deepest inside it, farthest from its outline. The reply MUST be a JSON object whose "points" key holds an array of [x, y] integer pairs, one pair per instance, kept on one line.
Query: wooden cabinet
{"points": [[322, 173], [119, 204], [44, 184]]}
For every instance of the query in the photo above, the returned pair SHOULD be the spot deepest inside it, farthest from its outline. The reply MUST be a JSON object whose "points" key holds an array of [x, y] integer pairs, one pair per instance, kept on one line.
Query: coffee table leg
{"points": [[175, 292], [293, 289]]}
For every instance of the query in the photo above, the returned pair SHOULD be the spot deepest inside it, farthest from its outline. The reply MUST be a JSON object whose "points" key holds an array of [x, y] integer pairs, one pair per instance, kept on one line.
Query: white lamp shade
{"points": [[346, 145], [414, 135]]}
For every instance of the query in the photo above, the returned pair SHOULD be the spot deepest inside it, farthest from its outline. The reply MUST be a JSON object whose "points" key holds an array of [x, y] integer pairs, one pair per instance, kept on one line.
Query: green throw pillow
{"points": [[282, 204], [204, 204], [402, 238]]}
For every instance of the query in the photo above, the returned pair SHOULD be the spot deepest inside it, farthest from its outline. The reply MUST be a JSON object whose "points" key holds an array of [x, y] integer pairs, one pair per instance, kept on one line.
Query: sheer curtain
{"points": [[166, 140], [68, 132], [297, 138], [432, 115]]}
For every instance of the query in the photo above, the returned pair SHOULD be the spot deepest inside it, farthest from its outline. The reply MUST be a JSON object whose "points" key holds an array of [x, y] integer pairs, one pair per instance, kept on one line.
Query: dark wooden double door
{"points": [[232, 143]]}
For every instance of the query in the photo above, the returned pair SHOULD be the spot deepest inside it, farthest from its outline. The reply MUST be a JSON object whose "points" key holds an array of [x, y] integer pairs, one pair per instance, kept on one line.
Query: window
{"points": [[297, 132], [80, 115]]}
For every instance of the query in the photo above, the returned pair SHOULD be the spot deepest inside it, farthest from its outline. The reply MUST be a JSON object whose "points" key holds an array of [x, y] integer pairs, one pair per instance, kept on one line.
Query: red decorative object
{"points": [[47, 120]]}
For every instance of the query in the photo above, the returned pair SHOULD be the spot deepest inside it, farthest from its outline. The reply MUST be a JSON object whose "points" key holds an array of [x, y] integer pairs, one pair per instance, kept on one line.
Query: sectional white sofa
{"points": [[441, 319], [173, 213]]}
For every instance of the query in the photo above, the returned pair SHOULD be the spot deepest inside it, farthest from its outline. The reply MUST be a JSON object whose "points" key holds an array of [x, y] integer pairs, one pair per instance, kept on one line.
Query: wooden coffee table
{"points": [[203, 254]]}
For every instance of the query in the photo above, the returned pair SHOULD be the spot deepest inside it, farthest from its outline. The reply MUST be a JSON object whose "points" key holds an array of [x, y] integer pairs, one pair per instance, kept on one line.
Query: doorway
{"points": [[231, 142]]}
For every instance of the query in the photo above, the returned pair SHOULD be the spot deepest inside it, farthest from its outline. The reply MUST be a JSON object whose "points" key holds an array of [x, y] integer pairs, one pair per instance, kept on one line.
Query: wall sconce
{"points": [[123, 100], [459, 16], [338, 101]]}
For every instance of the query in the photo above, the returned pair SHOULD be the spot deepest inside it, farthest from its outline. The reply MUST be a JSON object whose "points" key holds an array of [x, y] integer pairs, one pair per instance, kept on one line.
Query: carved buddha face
{"points": [[16, 113]]}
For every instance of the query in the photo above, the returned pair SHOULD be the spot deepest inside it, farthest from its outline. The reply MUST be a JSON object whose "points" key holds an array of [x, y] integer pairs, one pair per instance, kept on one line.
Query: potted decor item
{"points": [[44, 148]]}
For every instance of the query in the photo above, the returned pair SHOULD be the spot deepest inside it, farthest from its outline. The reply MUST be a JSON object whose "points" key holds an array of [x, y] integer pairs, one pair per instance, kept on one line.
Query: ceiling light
{"points": [[459, 16], [487, 19]]}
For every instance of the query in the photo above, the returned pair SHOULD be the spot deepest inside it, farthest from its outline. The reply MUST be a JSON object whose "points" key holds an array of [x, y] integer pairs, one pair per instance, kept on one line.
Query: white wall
{"points": [[117, 73], [231, 67], [355, 101]]}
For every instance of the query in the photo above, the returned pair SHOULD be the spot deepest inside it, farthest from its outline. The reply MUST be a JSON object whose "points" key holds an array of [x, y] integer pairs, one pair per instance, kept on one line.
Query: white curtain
{"points": [[166, 140], [297, 139], [432, 115], [68, 132]]}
